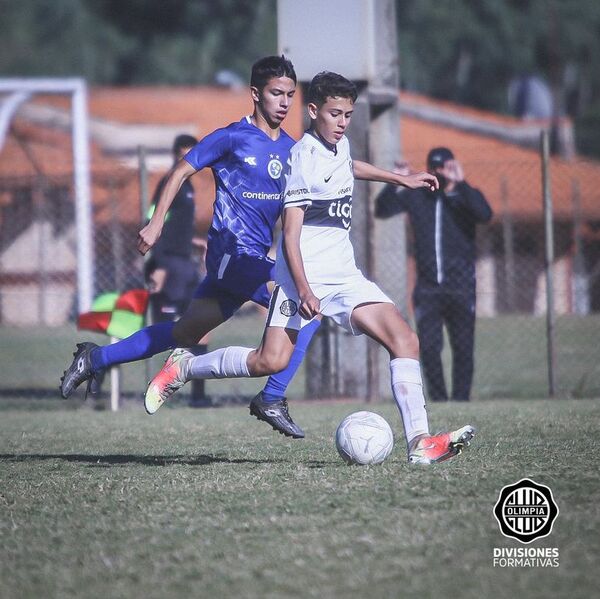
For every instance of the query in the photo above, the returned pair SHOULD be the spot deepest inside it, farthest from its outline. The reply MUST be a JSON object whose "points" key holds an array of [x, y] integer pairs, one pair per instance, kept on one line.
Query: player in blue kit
{"points": [[247, 159], [316, 273]]}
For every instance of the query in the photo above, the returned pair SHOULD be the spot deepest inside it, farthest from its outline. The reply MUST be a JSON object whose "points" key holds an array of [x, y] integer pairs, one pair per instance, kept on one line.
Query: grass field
{"points": [[210, 503], [510, 358]]}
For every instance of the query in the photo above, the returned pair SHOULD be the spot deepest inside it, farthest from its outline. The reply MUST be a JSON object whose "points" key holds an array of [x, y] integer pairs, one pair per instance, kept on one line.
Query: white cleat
{"points": [[171, 377]]}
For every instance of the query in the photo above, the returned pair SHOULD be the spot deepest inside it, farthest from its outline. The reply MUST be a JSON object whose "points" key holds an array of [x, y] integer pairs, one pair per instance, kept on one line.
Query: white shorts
{"points": [[337, 301]]}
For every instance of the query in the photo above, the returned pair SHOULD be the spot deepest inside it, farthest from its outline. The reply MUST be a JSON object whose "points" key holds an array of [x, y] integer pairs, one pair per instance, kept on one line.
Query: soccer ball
{"points": [[364, 438]]}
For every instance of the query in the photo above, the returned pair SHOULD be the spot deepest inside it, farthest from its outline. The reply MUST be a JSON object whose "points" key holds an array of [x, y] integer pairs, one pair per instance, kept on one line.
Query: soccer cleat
{"points": [[80, 369], [171, 377], [276, 414], [438, 448], [94, 385]]}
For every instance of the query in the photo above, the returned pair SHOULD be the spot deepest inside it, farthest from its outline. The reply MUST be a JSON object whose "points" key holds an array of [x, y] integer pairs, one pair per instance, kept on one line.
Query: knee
{"points": [[266, 365], [406, 345], [186, 336]]}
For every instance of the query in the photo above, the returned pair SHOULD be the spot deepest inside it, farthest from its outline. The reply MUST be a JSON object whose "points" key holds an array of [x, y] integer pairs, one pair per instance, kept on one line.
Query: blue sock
{"points": [[143, 344], [277, 384]]}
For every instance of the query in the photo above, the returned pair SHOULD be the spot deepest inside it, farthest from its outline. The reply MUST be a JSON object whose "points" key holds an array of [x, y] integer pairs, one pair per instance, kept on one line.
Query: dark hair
{"points": [[271, 67], [330, 85], [184, 141]]}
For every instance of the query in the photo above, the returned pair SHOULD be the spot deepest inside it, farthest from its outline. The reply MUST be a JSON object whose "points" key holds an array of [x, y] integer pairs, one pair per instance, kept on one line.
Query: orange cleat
{"points": [[171, 377], [438, 448]]}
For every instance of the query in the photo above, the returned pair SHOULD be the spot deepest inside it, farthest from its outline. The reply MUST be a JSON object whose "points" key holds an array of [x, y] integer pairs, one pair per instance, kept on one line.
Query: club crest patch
{"points": [[288, 307], [274, 167]]}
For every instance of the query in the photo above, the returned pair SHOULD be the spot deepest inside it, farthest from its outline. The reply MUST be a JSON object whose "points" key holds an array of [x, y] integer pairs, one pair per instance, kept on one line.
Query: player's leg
{"points": [[225, 292], [277, 384], [460, 320], [272, 356], [251, 274], [274, 409], [384, 323], [270, 404], [202, 316], [229, 362], [221, 306], [430, 328]]}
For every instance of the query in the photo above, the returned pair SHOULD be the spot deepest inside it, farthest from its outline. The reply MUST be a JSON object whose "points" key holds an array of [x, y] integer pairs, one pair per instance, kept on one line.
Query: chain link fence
{"points": [[38, 277], [513, 331]]}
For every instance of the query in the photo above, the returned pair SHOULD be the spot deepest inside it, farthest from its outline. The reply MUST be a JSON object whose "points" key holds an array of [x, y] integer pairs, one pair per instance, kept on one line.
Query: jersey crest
{"points": [[274, 167]]}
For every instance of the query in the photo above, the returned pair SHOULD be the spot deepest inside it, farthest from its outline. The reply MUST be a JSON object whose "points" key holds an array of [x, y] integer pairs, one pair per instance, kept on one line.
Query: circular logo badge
{"points": [[526, 511], [274, 167], [288, 307]]}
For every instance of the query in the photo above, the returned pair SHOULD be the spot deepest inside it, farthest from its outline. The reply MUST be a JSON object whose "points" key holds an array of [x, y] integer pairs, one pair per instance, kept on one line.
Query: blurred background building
{"points": [[483, 78]]}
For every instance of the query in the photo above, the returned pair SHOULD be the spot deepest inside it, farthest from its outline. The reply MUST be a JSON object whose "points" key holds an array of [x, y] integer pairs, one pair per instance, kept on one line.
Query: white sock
{"points": [[228, 362], [407, 387]]}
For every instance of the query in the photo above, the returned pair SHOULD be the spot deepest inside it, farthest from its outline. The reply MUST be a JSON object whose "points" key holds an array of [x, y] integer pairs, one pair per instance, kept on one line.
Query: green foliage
{"points": [[135, 42], [469, 51]]}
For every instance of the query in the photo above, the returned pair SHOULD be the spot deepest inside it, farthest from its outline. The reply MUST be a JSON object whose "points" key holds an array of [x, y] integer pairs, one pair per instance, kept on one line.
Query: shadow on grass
{"points": [[145, 460]]}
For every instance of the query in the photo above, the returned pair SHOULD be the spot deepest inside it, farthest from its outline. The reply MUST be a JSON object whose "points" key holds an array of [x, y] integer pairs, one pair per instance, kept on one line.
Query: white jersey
{"points": [[322, 180]]}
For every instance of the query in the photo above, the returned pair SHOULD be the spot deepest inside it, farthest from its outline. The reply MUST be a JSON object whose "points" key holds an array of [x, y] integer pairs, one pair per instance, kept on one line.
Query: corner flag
{"points": [[116, 315]]}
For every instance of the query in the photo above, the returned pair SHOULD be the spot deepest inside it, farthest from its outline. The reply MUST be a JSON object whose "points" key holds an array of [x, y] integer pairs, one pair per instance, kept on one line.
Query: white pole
{"points": [[549, 265], [83, 203], [81, 166], [8, 109], [115, 384]]}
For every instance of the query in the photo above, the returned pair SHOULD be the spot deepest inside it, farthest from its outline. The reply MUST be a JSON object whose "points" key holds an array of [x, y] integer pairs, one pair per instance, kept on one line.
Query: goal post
{"points": [[14, 92]]}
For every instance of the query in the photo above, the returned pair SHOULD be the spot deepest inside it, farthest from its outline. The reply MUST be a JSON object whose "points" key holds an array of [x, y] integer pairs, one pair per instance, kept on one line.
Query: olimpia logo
{"points": [[526, 511]]}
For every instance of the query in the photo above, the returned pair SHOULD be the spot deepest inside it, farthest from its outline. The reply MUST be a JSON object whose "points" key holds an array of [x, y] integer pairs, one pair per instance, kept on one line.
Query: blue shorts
{"points": [[240, 279]]}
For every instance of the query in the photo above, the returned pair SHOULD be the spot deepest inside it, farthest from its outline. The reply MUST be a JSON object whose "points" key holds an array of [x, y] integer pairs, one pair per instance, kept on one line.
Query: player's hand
{"points": [[310, 305], [418, 180], [147, 237]]}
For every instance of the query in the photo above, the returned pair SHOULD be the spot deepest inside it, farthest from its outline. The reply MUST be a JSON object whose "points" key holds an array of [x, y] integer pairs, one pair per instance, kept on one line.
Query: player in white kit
{"points": [[316, 273]]}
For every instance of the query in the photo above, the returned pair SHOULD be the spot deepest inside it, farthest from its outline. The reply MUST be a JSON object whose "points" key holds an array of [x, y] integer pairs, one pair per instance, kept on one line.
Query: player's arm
{"points": [[148, 236], [293, 217], [206, 152], [368, 172]]}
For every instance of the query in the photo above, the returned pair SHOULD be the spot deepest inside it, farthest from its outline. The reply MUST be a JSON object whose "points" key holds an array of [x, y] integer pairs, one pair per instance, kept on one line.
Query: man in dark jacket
{"points": [[443, 223], [171, 273]]}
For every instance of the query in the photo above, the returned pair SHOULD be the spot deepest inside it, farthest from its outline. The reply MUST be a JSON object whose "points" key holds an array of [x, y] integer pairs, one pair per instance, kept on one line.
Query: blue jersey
{"points": [[248, 167]]}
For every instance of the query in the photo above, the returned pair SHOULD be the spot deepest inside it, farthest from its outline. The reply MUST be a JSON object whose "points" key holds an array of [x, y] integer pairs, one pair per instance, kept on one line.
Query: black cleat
{"points": [[80, 370], [276, 414], [94, 387]]}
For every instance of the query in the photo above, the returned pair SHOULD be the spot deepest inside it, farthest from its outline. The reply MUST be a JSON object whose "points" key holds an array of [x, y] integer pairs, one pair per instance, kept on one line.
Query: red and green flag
{"points": [[117, 315]]}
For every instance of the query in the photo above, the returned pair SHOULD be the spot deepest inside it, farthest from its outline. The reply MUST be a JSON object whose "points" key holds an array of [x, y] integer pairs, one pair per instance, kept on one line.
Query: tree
{"points": [[469, 51], [135, 42]]}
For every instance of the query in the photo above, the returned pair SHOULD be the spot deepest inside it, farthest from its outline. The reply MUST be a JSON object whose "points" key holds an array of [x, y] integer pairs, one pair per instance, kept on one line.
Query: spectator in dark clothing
{"points": [[171, 273], [443, 223]]}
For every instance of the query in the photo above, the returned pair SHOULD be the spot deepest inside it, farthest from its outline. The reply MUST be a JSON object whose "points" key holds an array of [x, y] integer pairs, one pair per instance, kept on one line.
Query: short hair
{"points": [[330, 85], [271, 67], [184, 141]]}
